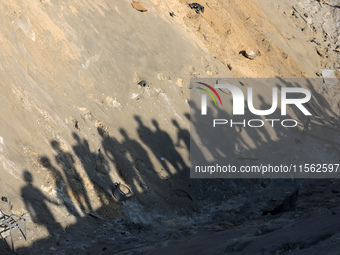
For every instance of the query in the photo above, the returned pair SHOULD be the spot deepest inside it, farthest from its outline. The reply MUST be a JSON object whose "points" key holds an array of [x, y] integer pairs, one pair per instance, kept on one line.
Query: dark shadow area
{"points": [[243, 53], [166, 148], [178, 206], [96, 169], [73, 180], [62, 188], [155, 143], [36, 203], [183, 135]]}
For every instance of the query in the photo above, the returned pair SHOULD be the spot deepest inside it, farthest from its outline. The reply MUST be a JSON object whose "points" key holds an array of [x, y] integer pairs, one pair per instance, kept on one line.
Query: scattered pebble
{"points": [[250, 54], [198, 8], [142, 83], [315, 41], [135, 4]]}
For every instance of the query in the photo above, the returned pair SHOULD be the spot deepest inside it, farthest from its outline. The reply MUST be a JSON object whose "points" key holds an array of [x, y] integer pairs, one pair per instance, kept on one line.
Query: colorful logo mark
{"points": [[209, 93]]}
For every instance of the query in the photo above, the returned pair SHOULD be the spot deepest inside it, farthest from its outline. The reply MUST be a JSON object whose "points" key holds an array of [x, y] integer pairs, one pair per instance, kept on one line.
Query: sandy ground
{"points": [[75, 122]]}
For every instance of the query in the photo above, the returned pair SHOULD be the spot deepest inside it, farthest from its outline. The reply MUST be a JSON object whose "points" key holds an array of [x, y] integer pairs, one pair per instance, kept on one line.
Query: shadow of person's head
{"points": [[28, 177], [175, 123], [123, 132], [45, 162], [138, 119], [155, 124], [55, 145], [76, 137]]}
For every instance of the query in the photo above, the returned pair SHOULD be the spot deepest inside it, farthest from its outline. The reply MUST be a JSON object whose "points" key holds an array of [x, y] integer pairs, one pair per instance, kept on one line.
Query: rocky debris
{"points": [[299, 14], [142, 83], [329, 4], [138, 6], [324, 21], [198, 8], [315, 41], [337, 49], [287, 204], [250, 54]]}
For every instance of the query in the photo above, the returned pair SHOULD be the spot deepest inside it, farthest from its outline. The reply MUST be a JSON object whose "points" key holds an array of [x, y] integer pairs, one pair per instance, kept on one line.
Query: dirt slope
{"points": [[74, 120]]}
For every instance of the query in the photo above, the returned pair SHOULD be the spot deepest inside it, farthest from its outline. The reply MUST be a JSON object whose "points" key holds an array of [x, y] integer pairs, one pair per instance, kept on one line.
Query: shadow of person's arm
{"points": [[178, 143], [52, 201]]}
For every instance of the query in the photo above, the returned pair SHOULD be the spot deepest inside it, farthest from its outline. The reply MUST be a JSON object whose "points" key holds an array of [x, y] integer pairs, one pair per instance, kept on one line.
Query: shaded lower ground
{"points": [[316, 232], [233, 226]]}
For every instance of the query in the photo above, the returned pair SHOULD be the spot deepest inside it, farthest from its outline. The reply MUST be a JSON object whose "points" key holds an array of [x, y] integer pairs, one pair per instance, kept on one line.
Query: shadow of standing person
{"points": [[168, 148], [117, 154], [73, 178], [60, 185], [36, 203], [141, 160], [150, 140], [182, 135], [137, 152], [103, 188]]}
